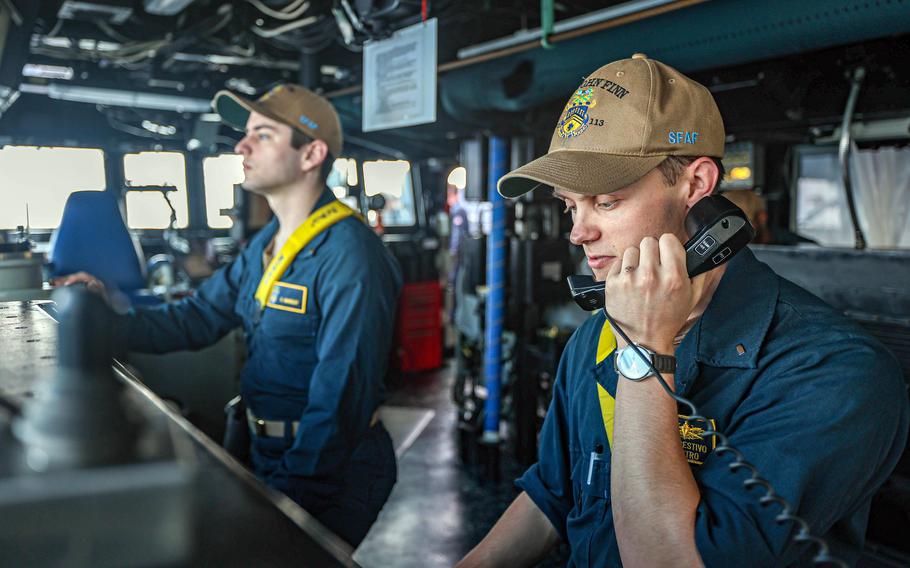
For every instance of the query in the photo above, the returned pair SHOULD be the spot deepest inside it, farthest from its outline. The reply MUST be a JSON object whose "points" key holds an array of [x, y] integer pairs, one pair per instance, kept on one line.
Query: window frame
{"points": [[47, 231], [125, 189], [416, 190]]}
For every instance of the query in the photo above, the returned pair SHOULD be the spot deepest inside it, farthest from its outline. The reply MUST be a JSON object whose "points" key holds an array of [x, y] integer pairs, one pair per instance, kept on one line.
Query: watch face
{"points": [[631, 365]]}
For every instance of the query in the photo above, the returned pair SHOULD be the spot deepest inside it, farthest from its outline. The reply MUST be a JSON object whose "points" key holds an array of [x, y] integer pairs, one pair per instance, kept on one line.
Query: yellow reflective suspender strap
{"points": [[318, 221], [607, 409], [606, 344]]}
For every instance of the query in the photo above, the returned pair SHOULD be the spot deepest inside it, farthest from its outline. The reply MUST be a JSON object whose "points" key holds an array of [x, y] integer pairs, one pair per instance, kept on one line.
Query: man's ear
{"points": [[313, 155], [702, 176]]}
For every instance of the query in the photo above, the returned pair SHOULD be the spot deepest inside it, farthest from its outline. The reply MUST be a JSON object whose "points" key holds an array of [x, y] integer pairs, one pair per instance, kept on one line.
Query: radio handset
{"points": [[718, 228]]}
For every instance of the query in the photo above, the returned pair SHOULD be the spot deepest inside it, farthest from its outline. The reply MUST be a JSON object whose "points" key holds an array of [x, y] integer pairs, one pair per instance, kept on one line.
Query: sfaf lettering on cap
{"points": [[682, 137], [308, 122]]}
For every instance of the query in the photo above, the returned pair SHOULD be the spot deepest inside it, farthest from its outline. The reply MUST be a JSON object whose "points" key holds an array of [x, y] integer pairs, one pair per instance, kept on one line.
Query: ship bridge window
{"points": [[881, 188], [41, 179], [147, 173], [342, 178], [221, 173], [392, 180]]}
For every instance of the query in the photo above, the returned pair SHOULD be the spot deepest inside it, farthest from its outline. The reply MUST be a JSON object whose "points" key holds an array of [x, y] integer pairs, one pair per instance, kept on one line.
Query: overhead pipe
{"points": [[532, 39], [117, 97], [559, 33], [546, 23], [843, 154], [578, 25], [496, 261]]}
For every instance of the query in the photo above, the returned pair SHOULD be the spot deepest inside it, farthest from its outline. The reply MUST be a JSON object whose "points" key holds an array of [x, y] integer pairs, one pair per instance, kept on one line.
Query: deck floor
{"points": [[440, 508]]}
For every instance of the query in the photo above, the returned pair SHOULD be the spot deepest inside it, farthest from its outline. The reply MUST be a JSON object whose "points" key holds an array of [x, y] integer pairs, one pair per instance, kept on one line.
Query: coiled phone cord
{"points": [[823, 555]]}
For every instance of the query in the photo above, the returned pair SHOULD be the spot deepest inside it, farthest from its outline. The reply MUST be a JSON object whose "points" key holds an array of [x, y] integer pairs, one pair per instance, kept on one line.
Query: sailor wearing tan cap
{"points": [[808, 397], [315, 293]]}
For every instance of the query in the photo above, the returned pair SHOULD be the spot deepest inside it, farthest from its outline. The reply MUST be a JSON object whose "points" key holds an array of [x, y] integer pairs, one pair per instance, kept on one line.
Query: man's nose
{"points": [[583, 230], [242, 147]]}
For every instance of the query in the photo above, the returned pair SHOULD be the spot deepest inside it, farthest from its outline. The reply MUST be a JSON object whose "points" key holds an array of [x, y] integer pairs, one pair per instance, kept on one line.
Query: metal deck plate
{"points": [[239, 521]]}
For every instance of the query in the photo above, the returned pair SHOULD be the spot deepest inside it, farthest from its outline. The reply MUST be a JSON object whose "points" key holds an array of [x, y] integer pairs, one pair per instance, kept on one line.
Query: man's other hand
{"points": [[90, 281]]}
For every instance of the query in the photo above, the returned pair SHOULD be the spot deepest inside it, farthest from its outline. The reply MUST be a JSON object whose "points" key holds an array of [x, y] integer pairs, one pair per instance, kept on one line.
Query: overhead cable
{"points": [[14, 13], [352, 15], [286, 13], [56, 29], [106, 28], [274, 32]]}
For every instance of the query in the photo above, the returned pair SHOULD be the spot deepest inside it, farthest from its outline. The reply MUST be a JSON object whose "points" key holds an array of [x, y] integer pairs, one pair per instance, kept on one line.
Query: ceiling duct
{"points": [[708, 35], [114, 97]]}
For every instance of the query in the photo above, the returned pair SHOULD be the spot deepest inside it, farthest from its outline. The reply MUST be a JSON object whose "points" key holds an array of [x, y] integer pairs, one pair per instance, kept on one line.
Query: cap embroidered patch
{"points": [[696, 445], [308, 122], [576, 119], [609, 86]]}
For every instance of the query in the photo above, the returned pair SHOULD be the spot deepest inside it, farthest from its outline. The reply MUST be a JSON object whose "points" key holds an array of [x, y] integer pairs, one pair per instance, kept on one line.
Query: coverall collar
{"points": [[733, 328], [271, 228]]}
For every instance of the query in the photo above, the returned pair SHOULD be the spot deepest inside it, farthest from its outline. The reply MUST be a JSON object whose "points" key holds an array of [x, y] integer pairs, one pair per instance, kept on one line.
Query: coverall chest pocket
{"points": [[590, 519], [292, 336], [591, 478]]}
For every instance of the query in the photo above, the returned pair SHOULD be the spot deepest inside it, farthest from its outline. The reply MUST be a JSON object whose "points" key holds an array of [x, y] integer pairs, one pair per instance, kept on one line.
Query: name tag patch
{"points": [[288, 297], [696, 445]]}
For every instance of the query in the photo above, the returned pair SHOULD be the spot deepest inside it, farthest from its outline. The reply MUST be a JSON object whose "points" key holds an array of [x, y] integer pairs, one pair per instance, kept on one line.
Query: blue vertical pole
{"points": [[496, 258]]}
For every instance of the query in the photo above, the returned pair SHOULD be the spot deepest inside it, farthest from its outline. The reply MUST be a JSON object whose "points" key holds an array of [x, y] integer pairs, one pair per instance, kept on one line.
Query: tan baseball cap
{"points": [[296, 106], [622, 121]]}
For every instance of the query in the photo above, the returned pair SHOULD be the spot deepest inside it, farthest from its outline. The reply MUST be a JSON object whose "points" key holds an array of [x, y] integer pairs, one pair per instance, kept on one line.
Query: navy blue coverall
{"points": [[813, 401], [317, 355]]}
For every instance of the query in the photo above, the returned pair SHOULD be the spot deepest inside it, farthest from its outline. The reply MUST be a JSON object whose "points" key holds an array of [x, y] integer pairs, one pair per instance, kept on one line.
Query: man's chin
{"points": [[252, 188], [600, 274]]}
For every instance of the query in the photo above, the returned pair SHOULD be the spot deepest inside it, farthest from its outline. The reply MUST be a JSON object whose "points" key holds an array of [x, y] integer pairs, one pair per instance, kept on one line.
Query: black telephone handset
{"points": [[718, 228]]}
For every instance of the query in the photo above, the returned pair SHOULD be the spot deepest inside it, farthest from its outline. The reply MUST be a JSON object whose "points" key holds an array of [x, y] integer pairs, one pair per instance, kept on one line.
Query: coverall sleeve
{"points": [[357, 297], [825, 429], [194, 322], [549, 481]]}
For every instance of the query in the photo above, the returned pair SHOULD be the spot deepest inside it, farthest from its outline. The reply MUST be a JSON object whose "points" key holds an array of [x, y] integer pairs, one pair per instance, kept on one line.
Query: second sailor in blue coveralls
{"points": [[805, 394], [319, 340]]}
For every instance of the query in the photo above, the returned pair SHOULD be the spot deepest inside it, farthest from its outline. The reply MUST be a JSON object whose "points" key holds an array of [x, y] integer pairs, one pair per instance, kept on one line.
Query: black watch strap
{"points": [[664, 363]]}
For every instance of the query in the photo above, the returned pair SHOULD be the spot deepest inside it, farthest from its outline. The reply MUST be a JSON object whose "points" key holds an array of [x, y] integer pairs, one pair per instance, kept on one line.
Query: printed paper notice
{"points": [[399, 78]]}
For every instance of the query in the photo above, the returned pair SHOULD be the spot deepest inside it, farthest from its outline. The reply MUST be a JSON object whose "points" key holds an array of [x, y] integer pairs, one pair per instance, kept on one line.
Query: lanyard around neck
{"points": [[318, 221]]}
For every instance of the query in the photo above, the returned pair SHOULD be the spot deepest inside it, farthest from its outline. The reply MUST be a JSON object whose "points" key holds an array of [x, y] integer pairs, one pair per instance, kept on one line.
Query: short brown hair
{"points": [[672, 167], [299, 140]]}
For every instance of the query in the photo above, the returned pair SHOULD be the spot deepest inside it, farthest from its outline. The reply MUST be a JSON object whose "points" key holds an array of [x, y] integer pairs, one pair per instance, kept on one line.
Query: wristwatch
{"points": [[630, 365]]}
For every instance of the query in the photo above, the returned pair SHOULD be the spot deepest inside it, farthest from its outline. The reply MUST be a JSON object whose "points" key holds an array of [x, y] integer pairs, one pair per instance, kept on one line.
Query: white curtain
{"points": [[881, 188]]}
